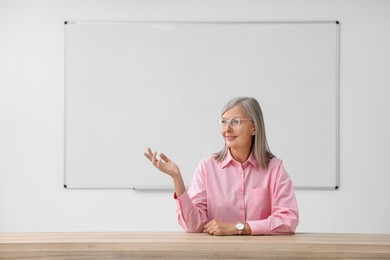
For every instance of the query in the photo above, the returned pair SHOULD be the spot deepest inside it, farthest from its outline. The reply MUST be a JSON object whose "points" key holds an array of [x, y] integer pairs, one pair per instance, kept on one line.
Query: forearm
{"points": [[178, 184], [274, 225], [190, 216]]}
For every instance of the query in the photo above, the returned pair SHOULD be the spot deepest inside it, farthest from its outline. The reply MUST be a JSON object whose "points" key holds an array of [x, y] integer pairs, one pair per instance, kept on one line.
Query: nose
{"points": [[227, 127]]}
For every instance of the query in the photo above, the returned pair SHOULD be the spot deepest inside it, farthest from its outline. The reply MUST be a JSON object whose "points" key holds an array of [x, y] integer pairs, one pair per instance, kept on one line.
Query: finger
{"points": [[207, 225], [149, 154], [164, 157], [159, 164], [212, 230], [154, 158], [210, 227], [212, 223]]}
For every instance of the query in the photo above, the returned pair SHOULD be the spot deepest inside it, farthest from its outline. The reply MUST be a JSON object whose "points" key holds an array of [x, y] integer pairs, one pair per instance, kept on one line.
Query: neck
{"points": [[240, 155]]}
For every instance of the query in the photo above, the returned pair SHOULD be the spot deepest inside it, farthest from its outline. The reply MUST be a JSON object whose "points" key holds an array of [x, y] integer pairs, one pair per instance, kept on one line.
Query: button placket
{"points": [[241, 192]]}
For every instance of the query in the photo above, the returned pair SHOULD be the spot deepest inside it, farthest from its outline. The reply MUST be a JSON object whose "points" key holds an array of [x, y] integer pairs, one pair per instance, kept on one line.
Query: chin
{"points": [[230, 145]]}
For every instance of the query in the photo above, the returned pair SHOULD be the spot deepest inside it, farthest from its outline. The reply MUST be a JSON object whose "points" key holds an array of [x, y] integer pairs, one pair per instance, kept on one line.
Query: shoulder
{"points": [[208, 161], [209, 164], [275, 162], [277, 169]]}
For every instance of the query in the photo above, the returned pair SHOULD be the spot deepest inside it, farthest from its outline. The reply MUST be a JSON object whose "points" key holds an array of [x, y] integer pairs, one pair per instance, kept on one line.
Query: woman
{"points": [[242, 189]]}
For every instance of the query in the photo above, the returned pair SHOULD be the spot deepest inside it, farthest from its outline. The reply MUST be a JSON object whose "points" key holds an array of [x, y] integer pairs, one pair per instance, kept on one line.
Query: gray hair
{"points": [[260, 147]]}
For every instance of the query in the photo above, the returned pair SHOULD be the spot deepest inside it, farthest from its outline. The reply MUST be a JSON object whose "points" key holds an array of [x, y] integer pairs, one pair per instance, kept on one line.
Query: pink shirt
{"points": [[230, 191]]}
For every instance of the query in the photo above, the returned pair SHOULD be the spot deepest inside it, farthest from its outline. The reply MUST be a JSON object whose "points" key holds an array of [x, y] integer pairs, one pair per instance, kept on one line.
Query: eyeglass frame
{"points": [[229, 121]]}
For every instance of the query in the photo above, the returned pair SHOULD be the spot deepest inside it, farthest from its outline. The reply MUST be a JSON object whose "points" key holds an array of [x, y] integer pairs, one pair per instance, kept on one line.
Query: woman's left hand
{"points": [[220, 228]]}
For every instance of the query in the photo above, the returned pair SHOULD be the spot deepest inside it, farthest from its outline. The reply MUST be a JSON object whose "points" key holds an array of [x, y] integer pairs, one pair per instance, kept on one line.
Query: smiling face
{"points": [[238, 138]]}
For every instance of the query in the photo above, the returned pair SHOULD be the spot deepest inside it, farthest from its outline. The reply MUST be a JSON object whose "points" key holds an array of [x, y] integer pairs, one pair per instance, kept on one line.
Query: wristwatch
{"points": [[240, 227]]}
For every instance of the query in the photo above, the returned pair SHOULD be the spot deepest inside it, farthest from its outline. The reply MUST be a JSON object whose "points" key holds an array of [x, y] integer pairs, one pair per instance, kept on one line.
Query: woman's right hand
{"points": [[164, 164]]}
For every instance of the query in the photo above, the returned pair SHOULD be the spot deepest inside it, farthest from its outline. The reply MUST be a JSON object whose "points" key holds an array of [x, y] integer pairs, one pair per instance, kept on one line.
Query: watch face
{"points": [[240, 226]]}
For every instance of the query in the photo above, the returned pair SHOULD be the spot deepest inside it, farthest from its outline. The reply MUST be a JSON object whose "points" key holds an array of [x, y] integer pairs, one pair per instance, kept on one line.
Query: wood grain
{"points": [[177, 245]]}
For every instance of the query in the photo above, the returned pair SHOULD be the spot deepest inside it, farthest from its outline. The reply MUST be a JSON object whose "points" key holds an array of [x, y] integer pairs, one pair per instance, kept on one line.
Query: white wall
{"points": [[32, 197]]}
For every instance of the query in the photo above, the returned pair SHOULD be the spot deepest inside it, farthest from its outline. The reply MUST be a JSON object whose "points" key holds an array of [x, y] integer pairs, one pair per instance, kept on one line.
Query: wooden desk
{"points": [[180, 245]]}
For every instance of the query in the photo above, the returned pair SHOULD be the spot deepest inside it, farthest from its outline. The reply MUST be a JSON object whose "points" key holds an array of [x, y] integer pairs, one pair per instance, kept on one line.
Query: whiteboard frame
{"points": [[170, 187]]}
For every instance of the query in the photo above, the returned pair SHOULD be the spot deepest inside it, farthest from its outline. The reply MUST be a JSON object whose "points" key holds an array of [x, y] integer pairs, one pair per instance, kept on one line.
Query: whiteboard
{"points": [[133, 85]]}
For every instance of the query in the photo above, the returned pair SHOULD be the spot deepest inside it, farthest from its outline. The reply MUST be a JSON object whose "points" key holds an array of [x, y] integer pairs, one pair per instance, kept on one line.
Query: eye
{"points": [[235, 121], [223, 121]]}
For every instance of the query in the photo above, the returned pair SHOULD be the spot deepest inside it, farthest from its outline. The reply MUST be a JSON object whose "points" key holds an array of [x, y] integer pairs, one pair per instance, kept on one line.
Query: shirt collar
{"points": [[229, 158]]}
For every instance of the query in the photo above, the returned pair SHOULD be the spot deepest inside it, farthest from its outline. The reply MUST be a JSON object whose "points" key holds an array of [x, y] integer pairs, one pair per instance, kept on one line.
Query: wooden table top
{"points": [[181, 245]]}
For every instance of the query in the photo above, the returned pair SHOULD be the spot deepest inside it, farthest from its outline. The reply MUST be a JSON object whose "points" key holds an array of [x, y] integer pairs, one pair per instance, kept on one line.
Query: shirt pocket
{"points": [[259, 204]]}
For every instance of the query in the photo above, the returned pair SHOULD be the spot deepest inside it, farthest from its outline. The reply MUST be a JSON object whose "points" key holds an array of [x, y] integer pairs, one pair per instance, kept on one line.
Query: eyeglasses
{"points": [[233, 122]]}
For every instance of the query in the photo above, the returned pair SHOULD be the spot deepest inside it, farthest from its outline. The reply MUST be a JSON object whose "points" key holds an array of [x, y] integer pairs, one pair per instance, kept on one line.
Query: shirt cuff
{"points": [[183, 202], [270, 227], [259, 227]]}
